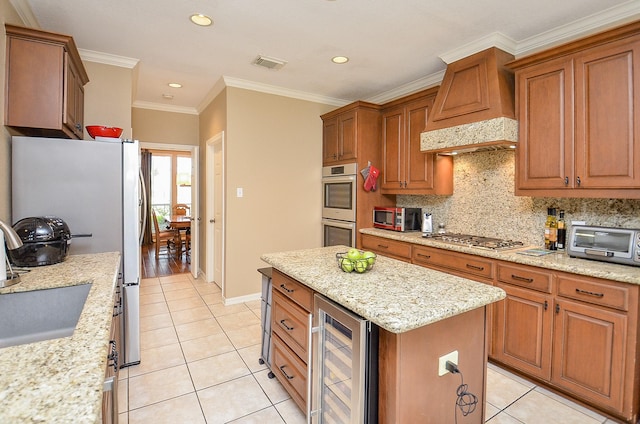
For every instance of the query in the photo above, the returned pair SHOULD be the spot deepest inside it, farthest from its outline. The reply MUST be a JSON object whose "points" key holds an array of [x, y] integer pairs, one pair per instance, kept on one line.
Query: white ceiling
{"points": [[395, 46]]}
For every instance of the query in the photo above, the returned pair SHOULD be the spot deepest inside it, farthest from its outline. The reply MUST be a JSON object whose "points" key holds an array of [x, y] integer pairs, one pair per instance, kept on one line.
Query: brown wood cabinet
{"points": [[578, 106], [291, 335], [45, 81], [576, 334], [407, 170]]}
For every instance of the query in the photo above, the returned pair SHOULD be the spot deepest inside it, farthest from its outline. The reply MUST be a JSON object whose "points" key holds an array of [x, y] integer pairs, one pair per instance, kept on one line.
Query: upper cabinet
{"points": [[348, 131], [45, 81], [407, 170], [579, 115]]}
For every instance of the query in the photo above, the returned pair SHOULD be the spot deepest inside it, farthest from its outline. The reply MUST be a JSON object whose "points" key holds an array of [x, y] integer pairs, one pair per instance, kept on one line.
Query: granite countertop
{"points": [[61, 380], [395, 295], [559, 261]]}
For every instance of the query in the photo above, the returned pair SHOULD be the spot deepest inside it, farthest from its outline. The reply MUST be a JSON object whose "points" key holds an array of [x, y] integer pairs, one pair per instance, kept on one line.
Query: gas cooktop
{"points": [[475, 241]]}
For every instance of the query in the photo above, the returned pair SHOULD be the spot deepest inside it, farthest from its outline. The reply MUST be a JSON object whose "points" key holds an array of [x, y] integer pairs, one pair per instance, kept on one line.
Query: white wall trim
{"points": [[409, 88], [241, 299], [26, 14], [495, 39], [165, 108], [108, 59]]}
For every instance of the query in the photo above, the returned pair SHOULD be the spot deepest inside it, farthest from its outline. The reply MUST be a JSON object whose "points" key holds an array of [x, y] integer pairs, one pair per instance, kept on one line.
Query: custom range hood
{"points": [[474, 109]]}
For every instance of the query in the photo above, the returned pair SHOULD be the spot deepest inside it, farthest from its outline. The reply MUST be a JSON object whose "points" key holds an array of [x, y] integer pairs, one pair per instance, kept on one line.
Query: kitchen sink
{"points": [[33, 316]]}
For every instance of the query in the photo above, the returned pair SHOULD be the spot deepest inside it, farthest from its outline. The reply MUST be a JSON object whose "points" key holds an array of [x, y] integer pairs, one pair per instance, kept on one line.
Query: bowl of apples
{"points": [[356, 260]]}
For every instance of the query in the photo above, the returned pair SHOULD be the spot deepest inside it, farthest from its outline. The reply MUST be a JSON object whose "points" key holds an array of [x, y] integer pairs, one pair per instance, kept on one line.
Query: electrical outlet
{"points": [[442, 362], [239, 192]]}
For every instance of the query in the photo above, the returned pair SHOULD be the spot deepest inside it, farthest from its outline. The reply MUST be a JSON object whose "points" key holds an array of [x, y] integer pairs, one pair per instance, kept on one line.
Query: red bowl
{"points": [[100, 131]]}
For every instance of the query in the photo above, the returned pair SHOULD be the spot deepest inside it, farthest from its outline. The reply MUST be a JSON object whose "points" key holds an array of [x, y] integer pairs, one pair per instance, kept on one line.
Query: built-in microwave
{"points": [[339, 192], [619, 245], [397, 219]]}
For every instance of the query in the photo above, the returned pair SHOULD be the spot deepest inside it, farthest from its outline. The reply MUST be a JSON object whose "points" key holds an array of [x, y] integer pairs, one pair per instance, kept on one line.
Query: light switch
{"points": [[239, 192]]}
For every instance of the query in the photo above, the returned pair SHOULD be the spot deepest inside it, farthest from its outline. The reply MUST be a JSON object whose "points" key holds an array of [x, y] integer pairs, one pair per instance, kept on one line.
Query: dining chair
{"points": [[180, 209], [165, 237]]}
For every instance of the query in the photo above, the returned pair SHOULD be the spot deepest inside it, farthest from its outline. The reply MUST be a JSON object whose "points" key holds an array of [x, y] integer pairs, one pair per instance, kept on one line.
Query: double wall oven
{"points": [[339, 204]]}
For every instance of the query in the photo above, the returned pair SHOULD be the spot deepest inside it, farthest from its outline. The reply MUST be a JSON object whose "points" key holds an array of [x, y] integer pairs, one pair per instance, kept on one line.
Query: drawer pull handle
{"points": [[600, 295], [283, 287], [422, 255], [287, 376], [285, 326], [383, 246], [519, 278], [477, 268]]}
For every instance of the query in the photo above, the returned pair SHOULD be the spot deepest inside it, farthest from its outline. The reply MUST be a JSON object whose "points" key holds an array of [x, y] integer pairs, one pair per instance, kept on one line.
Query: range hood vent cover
{"points": [[269, 62], [474, 107]]}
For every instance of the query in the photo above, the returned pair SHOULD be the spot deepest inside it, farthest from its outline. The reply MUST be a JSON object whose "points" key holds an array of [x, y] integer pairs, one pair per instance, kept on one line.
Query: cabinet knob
{"points": [[566, 181], [578, 181], [78, 127]]}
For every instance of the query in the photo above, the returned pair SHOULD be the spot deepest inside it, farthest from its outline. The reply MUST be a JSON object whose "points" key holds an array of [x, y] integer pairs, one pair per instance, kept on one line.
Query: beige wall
{"points": [[7, 15], [107, 97], [155, 126], [274, 153]]}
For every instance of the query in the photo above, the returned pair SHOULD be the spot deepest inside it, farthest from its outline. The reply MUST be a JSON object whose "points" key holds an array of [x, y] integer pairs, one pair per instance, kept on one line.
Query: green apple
{"points": [[353, 254], [370, 257], [361, 265], [346, 264]]}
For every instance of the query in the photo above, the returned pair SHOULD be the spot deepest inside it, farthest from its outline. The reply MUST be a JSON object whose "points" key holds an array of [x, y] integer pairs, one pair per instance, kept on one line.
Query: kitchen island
{"points": [[422, 315], [60, 380]]}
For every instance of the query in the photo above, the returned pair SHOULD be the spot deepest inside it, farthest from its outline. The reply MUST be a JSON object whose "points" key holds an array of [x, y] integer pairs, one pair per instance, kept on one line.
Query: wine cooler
{"points": [[345, 366]]}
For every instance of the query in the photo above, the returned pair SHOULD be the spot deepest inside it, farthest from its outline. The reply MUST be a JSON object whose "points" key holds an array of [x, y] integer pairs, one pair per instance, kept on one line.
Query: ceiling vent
{"points": [[269, 62]]}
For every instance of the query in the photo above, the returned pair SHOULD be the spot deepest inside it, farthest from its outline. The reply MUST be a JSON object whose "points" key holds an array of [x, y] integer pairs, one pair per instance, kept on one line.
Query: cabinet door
{"points": [[419, 166], [545, 116], [392, 149], [589, 352], [72, 106], [607, 122], [330, 141], [347, 136], [522, 331]]}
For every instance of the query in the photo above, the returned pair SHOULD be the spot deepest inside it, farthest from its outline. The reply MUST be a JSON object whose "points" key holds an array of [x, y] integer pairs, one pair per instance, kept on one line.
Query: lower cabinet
{"points": [[291, 337], [392, 248]]}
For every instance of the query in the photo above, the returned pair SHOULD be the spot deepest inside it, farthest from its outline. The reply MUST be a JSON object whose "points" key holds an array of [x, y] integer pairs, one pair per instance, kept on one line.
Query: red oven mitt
{"points": [[370, 183]]}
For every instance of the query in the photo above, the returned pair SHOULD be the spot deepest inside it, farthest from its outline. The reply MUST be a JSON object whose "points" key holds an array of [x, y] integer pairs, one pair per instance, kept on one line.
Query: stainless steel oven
{"points": [[339, 192], [335, 232]]}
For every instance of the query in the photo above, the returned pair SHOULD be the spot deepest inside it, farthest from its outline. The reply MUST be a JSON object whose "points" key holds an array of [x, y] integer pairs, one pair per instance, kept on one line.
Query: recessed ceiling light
{"points": [[175, 85], [340, 59], [200, 19], [167, 96]]}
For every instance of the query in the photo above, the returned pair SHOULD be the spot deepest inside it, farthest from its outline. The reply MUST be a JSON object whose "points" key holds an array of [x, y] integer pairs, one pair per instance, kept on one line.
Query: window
{"points": [[170, 181]]}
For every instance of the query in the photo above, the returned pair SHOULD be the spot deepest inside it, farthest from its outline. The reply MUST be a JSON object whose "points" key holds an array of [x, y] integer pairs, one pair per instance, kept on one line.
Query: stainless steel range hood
{"points": [[474, 109]]}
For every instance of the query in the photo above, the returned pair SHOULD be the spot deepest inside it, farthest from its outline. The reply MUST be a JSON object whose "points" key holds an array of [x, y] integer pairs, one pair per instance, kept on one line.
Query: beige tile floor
{"points": [[199, 364]]}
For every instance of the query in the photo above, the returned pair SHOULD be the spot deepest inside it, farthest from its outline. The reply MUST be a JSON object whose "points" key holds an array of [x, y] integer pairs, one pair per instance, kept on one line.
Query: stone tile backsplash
{"points": [[484, 203]]}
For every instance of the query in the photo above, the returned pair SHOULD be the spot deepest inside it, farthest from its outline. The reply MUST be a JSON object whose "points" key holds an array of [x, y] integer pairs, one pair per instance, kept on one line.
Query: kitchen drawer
{"points": [[594, 291], [292, 289], [290, 371], [395, 249], [291, 323], [459, 263], [525, 277]]}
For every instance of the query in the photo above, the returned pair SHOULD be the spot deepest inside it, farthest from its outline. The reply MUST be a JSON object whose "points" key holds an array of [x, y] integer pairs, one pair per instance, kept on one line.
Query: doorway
{"points": [[215, 234], [175, 156]]}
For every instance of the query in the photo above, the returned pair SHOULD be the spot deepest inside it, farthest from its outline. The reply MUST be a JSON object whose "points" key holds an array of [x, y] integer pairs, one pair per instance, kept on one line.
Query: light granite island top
{"points": [[394, 295], [60, 380]]}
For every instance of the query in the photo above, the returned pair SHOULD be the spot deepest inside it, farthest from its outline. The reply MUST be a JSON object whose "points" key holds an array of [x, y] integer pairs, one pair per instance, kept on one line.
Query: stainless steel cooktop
{"points": [[480, 242]]}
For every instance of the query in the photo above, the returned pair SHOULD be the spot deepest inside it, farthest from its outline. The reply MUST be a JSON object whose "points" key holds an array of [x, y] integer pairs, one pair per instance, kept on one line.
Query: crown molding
{"points": [[212, 94], [408, 88], [26, 14], [164, 108], [495, 39], [108, 59], [612, 17]]}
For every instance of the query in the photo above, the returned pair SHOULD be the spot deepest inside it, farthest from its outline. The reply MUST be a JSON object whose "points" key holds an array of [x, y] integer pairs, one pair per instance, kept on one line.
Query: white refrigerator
{"points": [[94, 187]]}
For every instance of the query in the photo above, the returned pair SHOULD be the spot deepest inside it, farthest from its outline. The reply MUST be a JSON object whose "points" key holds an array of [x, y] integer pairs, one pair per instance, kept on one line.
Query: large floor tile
{"points": [[268, 415], [232, 400], [183, 409], [197, 329], [290, 412], [153, 309], [158, 358], [220, 309], [206, 288], [159, 337], [157, 386], [489, 411], [185, 303], [502, 390], [187, 293], [504, 418], [176, 285], [217, 369], [237, 321], [154, 322], [536, 408], [251, 356], [212, 299], [204, 347], [191, 315], [123, 395], [563, 400], [246, 336], [146, 299], [271, 386]]}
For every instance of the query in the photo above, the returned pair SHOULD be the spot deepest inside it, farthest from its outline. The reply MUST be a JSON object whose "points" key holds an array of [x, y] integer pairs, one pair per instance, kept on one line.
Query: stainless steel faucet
{"points": [[13, 241]]}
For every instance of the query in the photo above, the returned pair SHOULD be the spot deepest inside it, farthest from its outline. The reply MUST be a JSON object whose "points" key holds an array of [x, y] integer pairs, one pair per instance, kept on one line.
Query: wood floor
{"points": [[166, 264]]}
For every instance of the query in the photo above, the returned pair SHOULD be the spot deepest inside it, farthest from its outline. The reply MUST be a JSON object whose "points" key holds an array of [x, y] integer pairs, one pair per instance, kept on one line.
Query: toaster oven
{"points": [[618, 245]]}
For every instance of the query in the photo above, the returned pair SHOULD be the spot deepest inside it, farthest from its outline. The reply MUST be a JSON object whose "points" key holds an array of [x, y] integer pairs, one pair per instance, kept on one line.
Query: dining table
{"points": [[179, 223]]}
